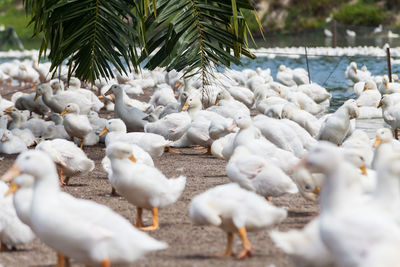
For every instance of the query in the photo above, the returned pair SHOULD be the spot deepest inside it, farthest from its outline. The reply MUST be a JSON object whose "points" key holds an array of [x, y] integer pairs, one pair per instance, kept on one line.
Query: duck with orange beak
{"points": [[84, 230], [75, 124]]}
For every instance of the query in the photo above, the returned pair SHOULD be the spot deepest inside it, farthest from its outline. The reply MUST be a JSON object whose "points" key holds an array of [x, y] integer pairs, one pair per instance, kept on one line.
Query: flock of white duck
{"points": [[291, 146]]}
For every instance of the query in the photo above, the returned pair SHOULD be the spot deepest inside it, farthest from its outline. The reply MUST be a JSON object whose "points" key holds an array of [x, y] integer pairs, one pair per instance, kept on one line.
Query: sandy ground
{"points": [[189, 245]]}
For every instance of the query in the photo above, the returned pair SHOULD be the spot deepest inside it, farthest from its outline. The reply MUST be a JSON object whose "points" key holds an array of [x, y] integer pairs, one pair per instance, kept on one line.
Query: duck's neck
{"points": [[47, 185], [387, 191], [119, 99], [194, 110], [16, 122], [112, 136], [120, 165], [335, 191], [47, 96]]}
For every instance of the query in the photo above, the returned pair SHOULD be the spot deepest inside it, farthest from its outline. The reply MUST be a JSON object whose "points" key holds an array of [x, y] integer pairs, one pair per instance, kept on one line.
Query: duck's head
{"points": [[93, 114], [75, 82], [42, 89], [322, 158], [57, 85], [386, 101], [385, 81], [281, 68], [6, 136], [223, 94], [308, 186], [193, 101], [351, 106], [114, 125], [370, 85], [120, 150], [243, 121], [14, 113], [356, 158], [70, 108], [116, 89], [383, 135], [23, 67], [353, 66], [30, 162]]}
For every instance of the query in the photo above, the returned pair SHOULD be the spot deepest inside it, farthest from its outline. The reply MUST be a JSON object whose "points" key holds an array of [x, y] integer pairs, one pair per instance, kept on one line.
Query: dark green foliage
{"points": [[95, 34], [193, 34], [361, 14]]}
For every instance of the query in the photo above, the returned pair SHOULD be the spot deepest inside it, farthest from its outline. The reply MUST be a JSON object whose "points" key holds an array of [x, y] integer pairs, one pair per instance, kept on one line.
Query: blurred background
{"points": [[285, 22]]}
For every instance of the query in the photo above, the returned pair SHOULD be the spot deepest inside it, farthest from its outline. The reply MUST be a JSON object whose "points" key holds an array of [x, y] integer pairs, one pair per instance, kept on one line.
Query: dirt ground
{"points": [[189, 245]]}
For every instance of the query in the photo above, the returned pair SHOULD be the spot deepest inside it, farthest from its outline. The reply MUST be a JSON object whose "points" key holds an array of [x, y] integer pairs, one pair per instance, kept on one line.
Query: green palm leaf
{"points": [[97, 35], [93, 34], [195, 34]]}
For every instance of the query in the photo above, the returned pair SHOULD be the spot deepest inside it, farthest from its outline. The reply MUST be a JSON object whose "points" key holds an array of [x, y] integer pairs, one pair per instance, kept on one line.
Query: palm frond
{"points": [[93, 35], [97, 35], [197, 34]]}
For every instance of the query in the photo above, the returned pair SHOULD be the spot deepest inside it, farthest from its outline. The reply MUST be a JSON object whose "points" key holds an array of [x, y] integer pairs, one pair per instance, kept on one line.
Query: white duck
{"points": [[162, 96], [75, 86], [57, 129], [351, 229], [391, 113], [4, 103], [141, 156], [154, 144], [285, 76], [27, 102], [171, 126], [142, 185], [234, 210], [227, 106], [304, 245], [302, 117], [389, 87], [11, 144], [132, 117], [257, 174], [12, 231], [22, 188], [76, 125], [280, 134], [80, 229], [336, 126], [69, 159], [58, 102], [370, 96], [219, 144]]}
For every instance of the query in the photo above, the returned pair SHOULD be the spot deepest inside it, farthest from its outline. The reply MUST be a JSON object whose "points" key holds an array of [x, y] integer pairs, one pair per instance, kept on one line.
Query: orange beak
{"points": [[317, 190], [12, 172], [185, 107], [378, 141], [363, 170], [36, 96], [8, 110], [132, 158], [104, 131], [12, 189], [64, 112]]}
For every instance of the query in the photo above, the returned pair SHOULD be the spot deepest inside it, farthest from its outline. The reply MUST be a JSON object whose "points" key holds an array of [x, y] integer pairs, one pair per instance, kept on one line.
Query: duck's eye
{"points": [[27, 157], [190, 99], [307, 187]]}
